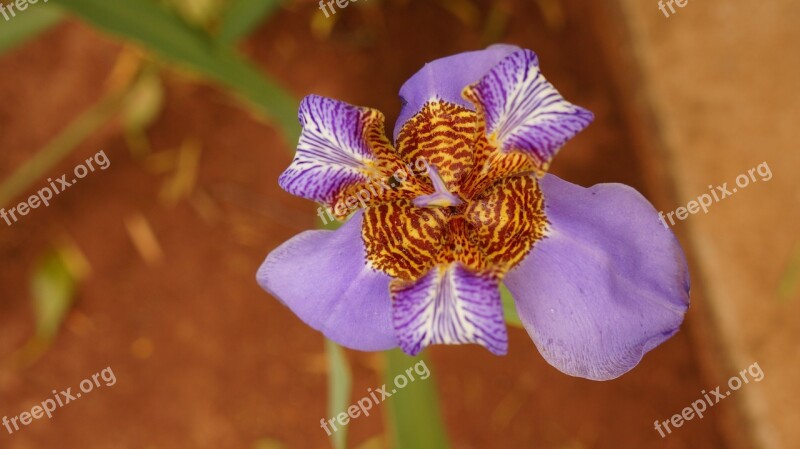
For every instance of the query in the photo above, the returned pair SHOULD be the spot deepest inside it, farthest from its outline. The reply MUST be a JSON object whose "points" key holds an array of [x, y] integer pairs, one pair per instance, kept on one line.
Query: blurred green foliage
{"points": [[53, 290], [175, 32], [171, 37], [26, 26], [55, 150], [242, 17]]}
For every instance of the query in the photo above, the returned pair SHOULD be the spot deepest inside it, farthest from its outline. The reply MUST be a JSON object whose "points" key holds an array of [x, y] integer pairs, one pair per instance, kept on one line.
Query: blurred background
{"points": [[147, 267]]}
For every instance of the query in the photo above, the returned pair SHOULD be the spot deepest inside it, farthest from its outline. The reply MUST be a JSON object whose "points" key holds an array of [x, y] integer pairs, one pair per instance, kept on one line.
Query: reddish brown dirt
{"points": [[229, 364]]}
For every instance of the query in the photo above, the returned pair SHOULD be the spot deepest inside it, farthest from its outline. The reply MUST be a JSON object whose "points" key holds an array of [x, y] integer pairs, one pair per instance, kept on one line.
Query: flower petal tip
{"points": [[335, 150], [523, 111]]}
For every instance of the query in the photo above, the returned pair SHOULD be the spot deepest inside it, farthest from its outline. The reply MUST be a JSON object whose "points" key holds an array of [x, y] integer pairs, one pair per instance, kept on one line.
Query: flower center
{"points": [[441, 197]]}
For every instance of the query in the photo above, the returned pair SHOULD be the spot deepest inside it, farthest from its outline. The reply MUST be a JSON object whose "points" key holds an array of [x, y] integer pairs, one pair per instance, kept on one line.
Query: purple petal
{"points": [[607, 284], [449, 305], [334, 151], [523, 111], [323, 278], [446, 78]]}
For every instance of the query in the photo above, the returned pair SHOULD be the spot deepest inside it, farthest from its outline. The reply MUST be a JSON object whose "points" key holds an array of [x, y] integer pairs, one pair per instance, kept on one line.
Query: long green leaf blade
{"points": [[166, 34], [27, 25], [243, 17], [414, 415]]}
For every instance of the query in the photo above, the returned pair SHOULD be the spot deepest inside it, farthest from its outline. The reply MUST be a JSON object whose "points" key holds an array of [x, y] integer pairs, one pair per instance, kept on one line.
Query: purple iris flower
{"points": [[462, 203]]}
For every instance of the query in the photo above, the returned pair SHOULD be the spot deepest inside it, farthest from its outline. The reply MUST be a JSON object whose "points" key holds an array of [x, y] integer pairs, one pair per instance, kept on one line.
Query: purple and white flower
{"points": [[597, 280]]}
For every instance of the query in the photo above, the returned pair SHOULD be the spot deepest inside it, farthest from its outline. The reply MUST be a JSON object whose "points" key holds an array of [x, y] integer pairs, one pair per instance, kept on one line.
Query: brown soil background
{"points": [[229, 365]]}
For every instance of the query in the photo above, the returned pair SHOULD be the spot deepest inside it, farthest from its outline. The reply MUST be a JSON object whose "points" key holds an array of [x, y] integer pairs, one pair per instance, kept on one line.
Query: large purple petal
{"points": [[607, 284], [449, 305], [446, 78], [323, 278], [523, 111]]}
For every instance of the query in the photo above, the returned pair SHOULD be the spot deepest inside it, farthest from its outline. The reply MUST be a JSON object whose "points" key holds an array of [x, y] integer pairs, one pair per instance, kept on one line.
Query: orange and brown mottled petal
{"points": [[507, 219], [402, 240], [452, 139], [461, 245], [443, 134], [491, 164]]}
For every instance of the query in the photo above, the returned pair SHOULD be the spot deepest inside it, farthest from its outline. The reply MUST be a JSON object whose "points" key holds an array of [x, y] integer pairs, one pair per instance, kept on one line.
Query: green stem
{"points": [[415, 419], [340, 382]]}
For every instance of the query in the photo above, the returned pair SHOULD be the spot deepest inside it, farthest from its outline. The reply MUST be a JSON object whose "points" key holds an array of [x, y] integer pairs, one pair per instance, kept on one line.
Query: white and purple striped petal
{"points": [[607, 284], [334, 151], [323, 278], [449, 305], [523, 111]]}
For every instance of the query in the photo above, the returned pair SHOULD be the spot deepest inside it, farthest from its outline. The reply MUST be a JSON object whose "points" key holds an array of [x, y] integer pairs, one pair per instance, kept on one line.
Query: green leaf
{"points": [[509, 307], [153, 27], [243, 17], [27, 24], [415, 418], [53, 290], [339, 387], [202, 13]]}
